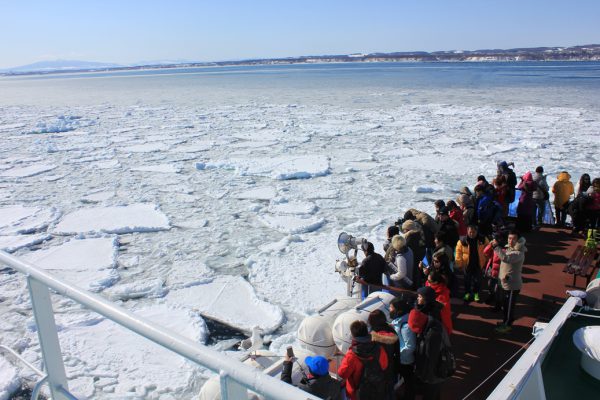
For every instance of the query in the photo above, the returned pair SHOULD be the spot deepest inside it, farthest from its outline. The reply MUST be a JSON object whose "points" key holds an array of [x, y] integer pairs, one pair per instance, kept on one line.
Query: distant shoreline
{"points": [[587, 53]]}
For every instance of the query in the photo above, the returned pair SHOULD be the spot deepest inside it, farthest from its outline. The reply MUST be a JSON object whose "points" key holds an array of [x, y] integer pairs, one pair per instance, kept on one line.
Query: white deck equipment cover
{"points": [[587, 340]]}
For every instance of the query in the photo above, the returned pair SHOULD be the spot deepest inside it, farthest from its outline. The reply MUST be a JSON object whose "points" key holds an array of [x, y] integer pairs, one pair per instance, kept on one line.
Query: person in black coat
{"points": [[318, 381], [371, 269]]}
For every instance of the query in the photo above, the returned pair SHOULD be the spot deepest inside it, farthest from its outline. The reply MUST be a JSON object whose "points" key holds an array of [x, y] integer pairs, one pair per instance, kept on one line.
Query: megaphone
{"points": [[348, 242]]}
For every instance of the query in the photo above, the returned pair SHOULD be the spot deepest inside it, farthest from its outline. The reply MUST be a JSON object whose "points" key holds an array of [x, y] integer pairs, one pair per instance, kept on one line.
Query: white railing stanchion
{"points": [[47, 333], [230, 389]]}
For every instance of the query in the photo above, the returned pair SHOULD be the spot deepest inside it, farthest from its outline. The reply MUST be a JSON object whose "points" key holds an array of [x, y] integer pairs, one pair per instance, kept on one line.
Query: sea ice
{"points": [[280, 168], [88, 263], [15, 242], [146, 148], [292, 224], [101, 350], [230, 300], [162, 168], [20, 219], [120, 219], [260, 193], [293, 208], [24, 172], [9, 379]]}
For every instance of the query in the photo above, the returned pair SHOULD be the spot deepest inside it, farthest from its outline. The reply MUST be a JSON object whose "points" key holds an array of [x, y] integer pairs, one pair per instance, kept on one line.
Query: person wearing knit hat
{"points": [[318, 382]]}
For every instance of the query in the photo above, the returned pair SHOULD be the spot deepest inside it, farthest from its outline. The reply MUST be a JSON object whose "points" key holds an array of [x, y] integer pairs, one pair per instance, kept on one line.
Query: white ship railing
{"points": [[236, 378], [524, 380]]}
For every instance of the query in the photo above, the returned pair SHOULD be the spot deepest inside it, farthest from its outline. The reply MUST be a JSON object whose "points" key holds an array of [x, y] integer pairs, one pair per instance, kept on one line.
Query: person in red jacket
{"points": [[457, 215], [491, 273], [362, 348], [442, 295]]}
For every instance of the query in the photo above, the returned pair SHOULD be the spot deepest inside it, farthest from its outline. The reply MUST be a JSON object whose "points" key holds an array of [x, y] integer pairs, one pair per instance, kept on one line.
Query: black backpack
{"points": [[446, 365], [372, 384]]}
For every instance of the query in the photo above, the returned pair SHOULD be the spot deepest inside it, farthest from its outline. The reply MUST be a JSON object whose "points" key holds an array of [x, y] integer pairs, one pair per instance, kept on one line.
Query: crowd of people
{"points": [[470, 239]]}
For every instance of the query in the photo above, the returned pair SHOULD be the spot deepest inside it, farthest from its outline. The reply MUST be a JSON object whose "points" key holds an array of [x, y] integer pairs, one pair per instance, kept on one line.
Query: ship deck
{"points": [[478, 348]]}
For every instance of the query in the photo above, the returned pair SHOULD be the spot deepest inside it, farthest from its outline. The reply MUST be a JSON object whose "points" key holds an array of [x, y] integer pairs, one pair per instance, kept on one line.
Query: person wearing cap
{"points": [[317, 381], [400, 265], [371, 269], [399, 311]]}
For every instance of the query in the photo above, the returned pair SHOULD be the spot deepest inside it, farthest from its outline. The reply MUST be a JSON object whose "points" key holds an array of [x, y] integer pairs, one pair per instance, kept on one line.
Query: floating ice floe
{"points": [[230, 300], [293, 208], [30, 170], [88, 263], [98, 196], [146, 148], [260, 193], [195, 147], [9, 379], [161, 168], [427, 188], [20, 219], [292, 225], [119, 219], [14, 242], [281, 168], [105, 164], [152, 288], [105, 358], [63, 123]]}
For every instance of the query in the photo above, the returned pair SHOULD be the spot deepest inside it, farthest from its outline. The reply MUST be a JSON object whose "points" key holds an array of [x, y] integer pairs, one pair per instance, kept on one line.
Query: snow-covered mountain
{"points": [[60, 65]]}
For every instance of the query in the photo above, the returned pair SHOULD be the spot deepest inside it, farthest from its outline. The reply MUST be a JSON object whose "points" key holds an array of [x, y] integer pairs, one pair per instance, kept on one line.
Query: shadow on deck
{"points": [[478, 348]]}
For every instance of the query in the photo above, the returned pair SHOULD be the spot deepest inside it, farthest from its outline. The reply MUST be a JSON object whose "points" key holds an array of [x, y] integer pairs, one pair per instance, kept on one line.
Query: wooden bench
{"points": [[582, 263]]}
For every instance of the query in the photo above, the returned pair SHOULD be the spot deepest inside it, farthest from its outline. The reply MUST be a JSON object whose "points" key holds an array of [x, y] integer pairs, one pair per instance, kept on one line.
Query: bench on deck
{"points": [[582, 263]]}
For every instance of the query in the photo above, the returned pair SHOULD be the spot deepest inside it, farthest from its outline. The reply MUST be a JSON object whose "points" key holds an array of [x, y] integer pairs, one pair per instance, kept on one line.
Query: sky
{"points": [[130, 31]]}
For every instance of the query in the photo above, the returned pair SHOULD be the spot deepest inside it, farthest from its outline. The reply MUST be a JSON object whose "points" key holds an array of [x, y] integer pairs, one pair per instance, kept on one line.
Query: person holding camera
{"points": [[317, 381], [511, 281]]}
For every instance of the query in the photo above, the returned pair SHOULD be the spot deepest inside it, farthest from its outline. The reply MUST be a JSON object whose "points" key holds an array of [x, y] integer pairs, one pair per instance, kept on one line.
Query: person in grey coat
{"points": [[540, 197], [511, 266]]}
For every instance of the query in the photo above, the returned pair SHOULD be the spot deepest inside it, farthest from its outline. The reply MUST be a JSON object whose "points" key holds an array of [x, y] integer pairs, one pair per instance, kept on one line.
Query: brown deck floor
{"points": [[478, 349]]}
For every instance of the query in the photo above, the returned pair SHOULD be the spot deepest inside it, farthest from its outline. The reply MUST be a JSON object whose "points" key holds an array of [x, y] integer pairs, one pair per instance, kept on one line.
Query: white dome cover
{"points": [[587, 340], [315, 335], [341, 326]]}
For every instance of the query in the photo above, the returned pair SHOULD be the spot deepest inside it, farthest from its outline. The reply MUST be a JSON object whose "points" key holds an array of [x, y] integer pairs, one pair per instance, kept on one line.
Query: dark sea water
{"points": [[571, 84]]}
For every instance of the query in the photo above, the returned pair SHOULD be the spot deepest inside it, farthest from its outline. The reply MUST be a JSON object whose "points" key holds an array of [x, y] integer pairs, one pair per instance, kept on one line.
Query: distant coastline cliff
{"points": [[576, 53]]}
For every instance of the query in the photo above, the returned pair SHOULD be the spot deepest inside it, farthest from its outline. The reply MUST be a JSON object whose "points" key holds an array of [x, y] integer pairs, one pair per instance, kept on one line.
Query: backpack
{"points": [[446, 365], [372, 384]]}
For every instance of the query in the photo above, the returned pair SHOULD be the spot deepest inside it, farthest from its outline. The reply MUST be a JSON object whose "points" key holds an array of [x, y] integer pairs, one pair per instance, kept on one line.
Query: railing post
{"points": [[230, 389], [48, 335]]}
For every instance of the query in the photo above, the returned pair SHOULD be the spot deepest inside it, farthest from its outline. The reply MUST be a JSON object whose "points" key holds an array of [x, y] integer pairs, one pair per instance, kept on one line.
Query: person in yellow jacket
{"points": [[562, 189], [471, 259]]}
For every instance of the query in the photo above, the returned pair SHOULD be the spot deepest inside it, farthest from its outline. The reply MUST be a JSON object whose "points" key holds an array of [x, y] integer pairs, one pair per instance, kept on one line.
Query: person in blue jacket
{"points": [[399, 309]]}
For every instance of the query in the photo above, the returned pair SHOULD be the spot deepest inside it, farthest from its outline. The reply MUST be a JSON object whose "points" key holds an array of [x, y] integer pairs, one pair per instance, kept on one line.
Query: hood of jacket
{"points": [[384, 337], [440, 289], [520, 246], [564, 176], [528, 177]]}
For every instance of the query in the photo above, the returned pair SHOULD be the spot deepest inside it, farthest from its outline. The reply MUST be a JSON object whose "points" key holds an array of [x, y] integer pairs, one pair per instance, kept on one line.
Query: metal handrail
{"points": [[229, 369]]}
